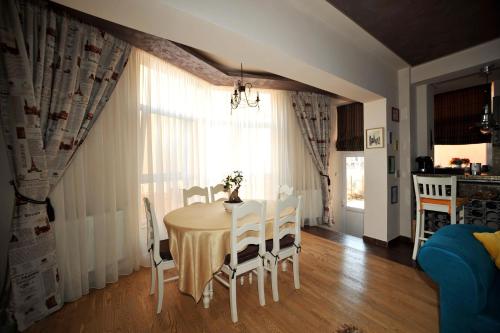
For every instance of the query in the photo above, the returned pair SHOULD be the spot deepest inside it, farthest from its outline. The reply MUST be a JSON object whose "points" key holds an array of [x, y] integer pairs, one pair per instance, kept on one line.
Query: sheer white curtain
{"points": [[294, 164], [189, 137], [164, 130], [97, 200]]}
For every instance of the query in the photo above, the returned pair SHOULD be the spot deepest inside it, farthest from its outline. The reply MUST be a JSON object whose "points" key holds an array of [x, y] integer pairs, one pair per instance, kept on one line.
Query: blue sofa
{"points": [[469, 281]]}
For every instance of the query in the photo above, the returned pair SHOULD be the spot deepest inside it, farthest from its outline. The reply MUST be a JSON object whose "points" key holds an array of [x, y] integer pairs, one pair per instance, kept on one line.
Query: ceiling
{"points": [[424, 30], [211, 68]]}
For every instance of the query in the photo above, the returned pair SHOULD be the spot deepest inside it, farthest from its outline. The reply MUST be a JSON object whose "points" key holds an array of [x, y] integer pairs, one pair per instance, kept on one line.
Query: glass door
{"points": [[354, 193]]}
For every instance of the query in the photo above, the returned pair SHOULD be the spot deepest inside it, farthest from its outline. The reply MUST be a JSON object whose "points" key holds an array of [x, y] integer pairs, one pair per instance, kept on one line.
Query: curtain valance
{"points": [[350, 127]]}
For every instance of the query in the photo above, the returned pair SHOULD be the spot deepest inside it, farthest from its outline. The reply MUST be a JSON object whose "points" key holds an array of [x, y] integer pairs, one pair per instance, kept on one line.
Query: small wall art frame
{"points": [[394, 194], [395, 114], [391, 165], [375, 138]]}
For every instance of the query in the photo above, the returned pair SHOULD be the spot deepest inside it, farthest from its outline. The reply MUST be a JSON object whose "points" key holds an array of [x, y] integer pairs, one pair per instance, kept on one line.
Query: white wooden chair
{"points": [[284, 191], [159, 251], [194, 191], [247, 251], [435, 194], [286, 242], [217, 189]]}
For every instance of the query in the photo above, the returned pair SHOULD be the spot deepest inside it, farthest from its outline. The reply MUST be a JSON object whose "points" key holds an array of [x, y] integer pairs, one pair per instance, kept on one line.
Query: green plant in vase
{"points": [[232, 184]]}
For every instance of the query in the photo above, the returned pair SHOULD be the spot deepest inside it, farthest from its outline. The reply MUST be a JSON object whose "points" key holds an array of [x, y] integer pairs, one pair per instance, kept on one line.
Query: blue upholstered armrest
{"points": [[460, 265]]}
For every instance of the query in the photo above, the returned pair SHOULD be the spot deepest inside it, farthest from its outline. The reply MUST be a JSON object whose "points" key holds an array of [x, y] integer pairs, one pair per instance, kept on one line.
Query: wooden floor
{"points": [[399, 250], [339, 285]]}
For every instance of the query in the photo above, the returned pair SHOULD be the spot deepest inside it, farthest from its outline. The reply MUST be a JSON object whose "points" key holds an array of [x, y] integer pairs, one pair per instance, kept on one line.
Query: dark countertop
{"points": [[487, 179]]}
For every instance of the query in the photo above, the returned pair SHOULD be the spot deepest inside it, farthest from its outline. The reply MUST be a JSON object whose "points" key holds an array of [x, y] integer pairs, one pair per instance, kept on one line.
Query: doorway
{"points": [[353, 203]]}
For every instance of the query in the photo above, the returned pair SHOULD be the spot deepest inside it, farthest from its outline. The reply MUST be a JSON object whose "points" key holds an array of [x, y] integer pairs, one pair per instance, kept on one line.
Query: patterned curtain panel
{"points": [[350, 127], [457, 114], [313, 114], [56, 74]]}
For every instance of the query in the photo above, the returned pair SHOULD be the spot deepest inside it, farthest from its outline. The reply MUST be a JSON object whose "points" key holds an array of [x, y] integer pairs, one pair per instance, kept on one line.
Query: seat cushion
{"points": [[165, 250], [491, 242], [285, 242], [249, 253]]}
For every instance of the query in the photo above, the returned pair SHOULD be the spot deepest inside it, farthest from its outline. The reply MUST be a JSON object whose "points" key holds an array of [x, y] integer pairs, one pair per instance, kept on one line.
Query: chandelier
{"points": [[487, 124], [242, 91]]}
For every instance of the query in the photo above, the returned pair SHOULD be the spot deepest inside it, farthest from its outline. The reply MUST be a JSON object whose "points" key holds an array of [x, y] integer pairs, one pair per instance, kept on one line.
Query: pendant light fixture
{"points": [[487, 123], [243, 91]]}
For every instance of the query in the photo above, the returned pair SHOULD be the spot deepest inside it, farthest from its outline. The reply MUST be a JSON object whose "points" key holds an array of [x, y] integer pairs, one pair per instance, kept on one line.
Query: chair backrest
{"points": [[288, 224], [153, 232], [195, 190], [217, 189], [284, 191], [249, 233], [440, 188]]}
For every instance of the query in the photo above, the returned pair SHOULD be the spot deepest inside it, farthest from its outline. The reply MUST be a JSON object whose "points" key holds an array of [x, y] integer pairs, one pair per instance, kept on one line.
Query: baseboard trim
{"points": [[392, 242], [375, 241], [401, 239]]}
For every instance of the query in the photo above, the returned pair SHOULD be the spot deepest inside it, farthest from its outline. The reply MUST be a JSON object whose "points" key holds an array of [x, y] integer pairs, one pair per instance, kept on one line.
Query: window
{"points": [[476, 153], [355, 181]]}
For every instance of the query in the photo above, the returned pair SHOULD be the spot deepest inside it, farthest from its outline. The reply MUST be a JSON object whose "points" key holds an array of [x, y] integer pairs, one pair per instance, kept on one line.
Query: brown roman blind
{"points": [[457, 115], [350, 127]]}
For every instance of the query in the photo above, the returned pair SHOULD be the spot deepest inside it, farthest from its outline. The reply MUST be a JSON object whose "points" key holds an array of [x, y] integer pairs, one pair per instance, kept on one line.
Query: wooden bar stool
{"points": [[437, 194]]}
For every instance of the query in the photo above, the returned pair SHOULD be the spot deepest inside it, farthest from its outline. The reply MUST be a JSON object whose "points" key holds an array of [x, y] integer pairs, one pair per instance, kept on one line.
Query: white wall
{"points": [[376, 189], [424, 119], [405, 153], [456, 64], [300, 40]]}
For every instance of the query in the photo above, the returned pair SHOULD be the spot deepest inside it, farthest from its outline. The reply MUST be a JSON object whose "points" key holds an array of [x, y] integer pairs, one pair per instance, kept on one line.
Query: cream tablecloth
{"points": [[200, 239]]}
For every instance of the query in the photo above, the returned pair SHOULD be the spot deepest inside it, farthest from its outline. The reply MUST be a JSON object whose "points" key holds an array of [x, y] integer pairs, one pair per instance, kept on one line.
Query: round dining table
{"points": [[199, 237]]}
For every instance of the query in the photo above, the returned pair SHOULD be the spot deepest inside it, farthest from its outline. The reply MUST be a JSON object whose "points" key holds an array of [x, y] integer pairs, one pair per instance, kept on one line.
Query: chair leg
{"points": [[232, 300], [453, 217], [260, 285], [416, 244], [160, 289], [153, 275], [283, 265], [250, 277], [242, 280], [274, 281], [211, 289], [461, 215], [296, 278]]}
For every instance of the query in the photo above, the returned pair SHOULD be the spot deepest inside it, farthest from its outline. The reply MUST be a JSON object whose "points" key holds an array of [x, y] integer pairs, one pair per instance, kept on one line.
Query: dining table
{"points": [[199, 238]]}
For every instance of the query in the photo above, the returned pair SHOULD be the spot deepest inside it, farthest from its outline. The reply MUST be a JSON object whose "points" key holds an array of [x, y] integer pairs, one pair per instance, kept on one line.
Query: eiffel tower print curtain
{"points": [[56, 75]]}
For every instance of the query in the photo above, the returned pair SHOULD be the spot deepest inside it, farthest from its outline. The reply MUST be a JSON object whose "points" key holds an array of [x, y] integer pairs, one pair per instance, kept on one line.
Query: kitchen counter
{"points": [[483, 208]]}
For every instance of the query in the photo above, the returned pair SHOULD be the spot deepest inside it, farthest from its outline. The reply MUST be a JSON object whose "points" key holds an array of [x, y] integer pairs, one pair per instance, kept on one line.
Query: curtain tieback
{"points": [[327, 178], [50, 209]]}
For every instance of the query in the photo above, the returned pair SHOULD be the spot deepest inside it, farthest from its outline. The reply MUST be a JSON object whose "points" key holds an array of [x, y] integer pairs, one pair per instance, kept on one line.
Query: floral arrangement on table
{"points": [[458, 162], [232, 184]]}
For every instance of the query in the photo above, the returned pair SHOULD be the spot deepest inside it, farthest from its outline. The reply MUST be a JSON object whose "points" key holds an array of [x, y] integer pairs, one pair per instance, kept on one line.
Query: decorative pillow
{"points": [[491, 241]]}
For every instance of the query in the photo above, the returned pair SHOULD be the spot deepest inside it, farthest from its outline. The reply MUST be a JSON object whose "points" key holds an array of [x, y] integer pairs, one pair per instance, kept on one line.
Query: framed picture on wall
{"points": [[375, 138], [395, 114], [394, 194], [391, 165]]}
